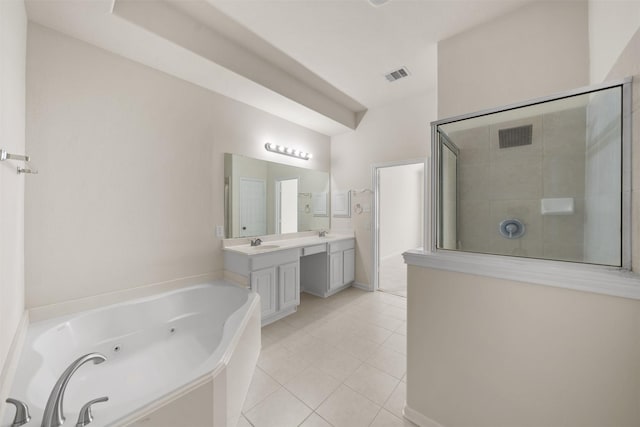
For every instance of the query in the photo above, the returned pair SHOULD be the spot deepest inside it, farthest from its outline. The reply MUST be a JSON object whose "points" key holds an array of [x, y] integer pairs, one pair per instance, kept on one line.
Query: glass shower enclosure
{"points": [[547, 179]]}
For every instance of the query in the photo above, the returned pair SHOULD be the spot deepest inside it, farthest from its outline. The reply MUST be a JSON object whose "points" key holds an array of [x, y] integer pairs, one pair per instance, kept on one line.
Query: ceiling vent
{"points": [[397, 74], [515, 137]]}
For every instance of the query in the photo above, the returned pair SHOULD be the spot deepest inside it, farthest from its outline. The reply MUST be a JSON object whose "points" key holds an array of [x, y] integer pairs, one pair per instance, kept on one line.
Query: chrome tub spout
{"points": [[53, 412]]}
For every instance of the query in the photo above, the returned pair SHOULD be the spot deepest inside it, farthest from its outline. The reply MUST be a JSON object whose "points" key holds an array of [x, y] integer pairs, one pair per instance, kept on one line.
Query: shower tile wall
{"points": [[496, 184]]}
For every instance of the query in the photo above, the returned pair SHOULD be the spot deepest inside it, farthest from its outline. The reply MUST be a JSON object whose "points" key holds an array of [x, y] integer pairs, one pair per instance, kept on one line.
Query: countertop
{"points": [[278, 245]]}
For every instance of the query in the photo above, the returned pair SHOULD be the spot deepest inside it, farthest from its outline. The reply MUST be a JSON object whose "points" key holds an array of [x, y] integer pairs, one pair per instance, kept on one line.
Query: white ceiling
{"points": [[352, 44], [318, 63]]}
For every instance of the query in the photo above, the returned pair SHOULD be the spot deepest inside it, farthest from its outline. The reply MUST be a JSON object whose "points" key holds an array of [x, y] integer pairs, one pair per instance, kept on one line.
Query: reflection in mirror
{"points": [[538, 181], [271, 198]]}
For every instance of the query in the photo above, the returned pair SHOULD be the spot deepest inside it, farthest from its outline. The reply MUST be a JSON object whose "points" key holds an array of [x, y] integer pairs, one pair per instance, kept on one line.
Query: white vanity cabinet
{"points": [[275, 276], [319, 266], [330, 271], [342, 264], [264, 283], [289, 286]]}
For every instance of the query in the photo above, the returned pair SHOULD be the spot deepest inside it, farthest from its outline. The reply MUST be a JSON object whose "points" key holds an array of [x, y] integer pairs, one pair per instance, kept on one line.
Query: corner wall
{"points": [[612, 26], [537, 50], [13, 47], [131, 161], [398, 131]]}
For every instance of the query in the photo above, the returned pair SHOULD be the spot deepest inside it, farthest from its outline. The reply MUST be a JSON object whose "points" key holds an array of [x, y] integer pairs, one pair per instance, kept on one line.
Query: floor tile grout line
{"points": [[342, 309]]}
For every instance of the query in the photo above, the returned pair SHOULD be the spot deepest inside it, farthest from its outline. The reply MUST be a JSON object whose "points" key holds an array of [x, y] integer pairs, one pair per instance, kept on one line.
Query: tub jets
{"points": [[53, 413]]}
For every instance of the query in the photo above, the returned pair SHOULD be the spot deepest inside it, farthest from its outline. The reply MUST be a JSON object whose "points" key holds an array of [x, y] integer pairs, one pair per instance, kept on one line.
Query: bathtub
{"points": [[180, 358]]}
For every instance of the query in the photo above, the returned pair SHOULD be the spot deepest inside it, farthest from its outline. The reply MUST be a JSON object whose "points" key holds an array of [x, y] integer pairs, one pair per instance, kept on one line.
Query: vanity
{"points": [[285, 205], [278, 270]]}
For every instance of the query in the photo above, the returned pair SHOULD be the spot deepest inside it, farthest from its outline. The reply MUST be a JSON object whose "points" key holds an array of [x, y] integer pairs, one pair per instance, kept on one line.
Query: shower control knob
{"points": [[511, 228]]}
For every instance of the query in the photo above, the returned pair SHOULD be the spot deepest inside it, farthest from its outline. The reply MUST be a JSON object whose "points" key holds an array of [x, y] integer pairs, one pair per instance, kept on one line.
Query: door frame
{"points": [[375, 211]]}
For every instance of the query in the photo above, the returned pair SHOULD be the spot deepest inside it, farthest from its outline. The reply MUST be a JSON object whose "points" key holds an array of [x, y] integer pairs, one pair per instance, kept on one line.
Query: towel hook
{"points": [[27, 170], [4, 155]]}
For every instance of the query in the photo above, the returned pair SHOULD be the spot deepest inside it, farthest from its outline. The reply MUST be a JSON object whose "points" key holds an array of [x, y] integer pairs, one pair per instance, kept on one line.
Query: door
{"points": [[289, 285], [264, 283], [349, 264], [448, 214], [336, 272], [287, 206], [253, 207], [399, 221]]}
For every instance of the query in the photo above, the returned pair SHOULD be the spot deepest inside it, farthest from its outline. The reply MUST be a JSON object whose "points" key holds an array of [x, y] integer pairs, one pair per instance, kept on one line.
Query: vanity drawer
{"points": [[341, 245], [274, 258], [316, 249]]}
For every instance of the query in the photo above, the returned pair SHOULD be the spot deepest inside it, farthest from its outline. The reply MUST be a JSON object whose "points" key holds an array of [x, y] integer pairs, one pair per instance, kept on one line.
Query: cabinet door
{"points": [[289, 285], [264, 283], [336, 274], [349, 265]]}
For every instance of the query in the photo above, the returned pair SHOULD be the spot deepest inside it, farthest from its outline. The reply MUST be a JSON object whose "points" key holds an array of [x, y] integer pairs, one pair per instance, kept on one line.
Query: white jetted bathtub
{"points": [[181, 358]]}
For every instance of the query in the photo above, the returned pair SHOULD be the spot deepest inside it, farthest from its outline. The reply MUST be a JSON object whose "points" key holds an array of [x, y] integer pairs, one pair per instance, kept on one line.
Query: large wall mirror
{"points": [[541, 180], [271, 198]]}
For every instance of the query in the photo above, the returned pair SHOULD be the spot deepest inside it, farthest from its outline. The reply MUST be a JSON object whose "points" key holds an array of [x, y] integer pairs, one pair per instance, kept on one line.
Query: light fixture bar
{"points": [[292, 152]]}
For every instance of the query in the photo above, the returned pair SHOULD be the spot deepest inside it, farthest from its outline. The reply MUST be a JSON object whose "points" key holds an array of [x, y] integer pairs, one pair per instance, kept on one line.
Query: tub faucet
{"points": [[53, 412], [86, 417], [22, 412], [322, 233], [256, 242]]}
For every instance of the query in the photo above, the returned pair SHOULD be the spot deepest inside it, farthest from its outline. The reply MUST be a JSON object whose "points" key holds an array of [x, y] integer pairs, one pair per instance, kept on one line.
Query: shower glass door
{"points": [[540, 180]]}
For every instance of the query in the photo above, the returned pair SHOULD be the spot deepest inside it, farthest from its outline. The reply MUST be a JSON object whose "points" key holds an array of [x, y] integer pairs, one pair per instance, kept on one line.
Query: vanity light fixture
{"points": [[299, 154]]}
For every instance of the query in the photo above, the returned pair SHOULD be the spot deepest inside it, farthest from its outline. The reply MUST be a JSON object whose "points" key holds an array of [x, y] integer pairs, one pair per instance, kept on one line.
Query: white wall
{"points": [[398, 131], [13, 45], [537, 50], [131, 170], [612, 24], [486, 352], [401, 209]]}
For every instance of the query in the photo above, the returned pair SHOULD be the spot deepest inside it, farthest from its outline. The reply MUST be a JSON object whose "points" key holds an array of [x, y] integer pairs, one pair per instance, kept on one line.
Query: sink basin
{"points": [[264, 247]]}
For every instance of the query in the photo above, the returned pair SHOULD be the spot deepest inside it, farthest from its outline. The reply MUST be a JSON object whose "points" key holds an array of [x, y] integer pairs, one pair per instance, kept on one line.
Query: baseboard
{"points": [[419, 419], [362, 286], [11, 363]]}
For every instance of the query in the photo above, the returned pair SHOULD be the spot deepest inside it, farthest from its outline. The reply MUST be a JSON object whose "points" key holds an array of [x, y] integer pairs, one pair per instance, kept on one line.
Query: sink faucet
{"points": [[256, 242], [53, 413], [322, 233]]}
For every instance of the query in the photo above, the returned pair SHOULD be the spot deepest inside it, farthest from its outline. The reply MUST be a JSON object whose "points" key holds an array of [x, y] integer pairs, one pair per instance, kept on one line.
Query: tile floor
{"points": [[393, 275], [339, 361]]}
